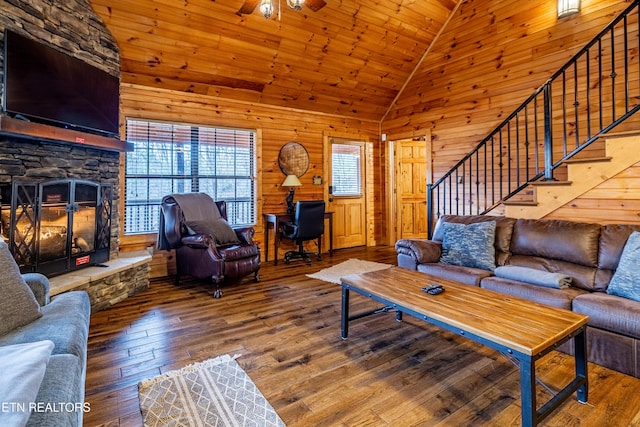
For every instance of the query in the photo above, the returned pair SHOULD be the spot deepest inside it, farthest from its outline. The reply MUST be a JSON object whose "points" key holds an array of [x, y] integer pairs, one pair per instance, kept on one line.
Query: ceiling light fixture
{"points": [[295, 4], [568, 7], [269, 7], [266, 7]]}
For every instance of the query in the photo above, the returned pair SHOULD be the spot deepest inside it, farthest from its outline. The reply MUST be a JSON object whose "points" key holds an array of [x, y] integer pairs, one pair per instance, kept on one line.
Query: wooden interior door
{"points": [[411, 188], [347, 196]]}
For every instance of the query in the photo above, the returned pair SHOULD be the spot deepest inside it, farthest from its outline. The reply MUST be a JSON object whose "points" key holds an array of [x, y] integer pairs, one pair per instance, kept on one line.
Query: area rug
{"points": [[351, 266], [216, 392]]}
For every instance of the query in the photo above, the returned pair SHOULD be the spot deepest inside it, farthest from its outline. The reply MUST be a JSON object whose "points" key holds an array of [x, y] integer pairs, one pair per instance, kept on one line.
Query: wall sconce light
{"points": [[568, 7], [291, 181]]}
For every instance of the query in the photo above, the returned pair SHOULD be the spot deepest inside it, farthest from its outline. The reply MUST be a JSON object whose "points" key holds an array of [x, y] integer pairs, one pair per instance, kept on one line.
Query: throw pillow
{"points": [[219, 229], [18, 305], [469, 245], [626, 280], [22, 368]]}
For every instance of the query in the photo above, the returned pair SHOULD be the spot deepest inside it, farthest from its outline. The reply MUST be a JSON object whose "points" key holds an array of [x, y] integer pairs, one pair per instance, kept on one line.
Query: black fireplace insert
{"points": [[57, 226]]}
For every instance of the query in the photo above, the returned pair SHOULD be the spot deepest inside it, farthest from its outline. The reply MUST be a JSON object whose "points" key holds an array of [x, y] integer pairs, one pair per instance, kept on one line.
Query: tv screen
{"points": [[44, 85]]}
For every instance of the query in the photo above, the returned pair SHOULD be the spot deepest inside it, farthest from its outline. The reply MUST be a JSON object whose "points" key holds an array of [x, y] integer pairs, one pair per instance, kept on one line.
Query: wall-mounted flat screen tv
{"points": [[44, 85]]}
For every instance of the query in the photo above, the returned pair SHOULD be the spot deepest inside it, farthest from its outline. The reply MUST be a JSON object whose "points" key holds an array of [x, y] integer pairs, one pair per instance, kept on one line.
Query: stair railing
{"points": [[586, 98]]}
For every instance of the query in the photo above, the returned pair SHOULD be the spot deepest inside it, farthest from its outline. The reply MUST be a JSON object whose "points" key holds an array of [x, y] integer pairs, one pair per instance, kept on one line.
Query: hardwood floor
{"points": [[286, 331]]}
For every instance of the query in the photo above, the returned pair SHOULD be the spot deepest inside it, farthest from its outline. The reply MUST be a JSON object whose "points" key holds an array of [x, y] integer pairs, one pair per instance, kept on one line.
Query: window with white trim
{"points": [[183, 158]]}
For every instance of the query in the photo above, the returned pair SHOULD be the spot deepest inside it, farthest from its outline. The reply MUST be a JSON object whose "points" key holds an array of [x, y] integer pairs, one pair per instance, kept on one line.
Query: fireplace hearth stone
{"points": [[119, 279]]}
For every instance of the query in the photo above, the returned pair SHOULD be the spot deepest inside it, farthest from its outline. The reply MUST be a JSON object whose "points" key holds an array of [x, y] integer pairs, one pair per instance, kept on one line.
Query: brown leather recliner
{"points": [[197, 253]]}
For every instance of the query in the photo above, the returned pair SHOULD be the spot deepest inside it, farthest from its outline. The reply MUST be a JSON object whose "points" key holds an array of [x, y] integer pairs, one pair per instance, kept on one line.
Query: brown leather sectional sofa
{"points": [[588, 253]]}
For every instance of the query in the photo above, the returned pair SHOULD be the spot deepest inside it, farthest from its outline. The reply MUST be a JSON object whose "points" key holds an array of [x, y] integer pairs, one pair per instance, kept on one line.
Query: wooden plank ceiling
{"points": [[350, 58]]}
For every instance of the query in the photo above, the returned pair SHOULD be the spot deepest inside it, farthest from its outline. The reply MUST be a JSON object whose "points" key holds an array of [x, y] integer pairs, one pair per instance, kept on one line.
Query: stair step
{"points": [[588, 160], [630, 132], [520, 203], [551, 183]]}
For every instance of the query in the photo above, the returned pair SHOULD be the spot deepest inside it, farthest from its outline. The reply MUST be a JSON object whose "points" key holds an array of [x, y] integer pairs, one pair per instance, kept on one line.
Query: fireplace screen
{"points": [[57, 226]]}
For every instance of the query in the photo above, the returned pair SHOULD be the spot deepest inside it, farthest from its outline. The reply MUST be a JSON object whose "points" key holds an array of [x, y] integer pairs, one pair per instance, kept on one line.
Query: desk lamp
{"points": [[291, 181]]}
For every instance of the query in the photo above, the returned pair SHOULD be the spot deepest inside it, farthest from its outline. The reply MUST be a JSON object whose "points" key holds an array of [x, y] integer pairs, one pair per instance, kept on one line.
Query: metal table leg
{"points": [[528, 392], [344, 320], [580, 350]]}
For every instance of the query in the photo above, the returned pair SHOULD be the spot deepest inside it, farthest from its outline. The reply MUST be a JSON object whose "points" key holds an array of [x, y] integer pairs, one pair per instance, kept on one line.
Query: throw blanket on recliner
{"points": [[533, 276], [194, 207]]}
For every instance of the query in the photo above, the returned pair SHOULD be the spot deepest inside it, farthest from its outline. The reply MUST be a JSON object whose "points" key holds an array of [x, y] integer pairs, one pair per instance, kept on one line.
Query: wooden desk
{"points": [[273, 220], [519, 329]]}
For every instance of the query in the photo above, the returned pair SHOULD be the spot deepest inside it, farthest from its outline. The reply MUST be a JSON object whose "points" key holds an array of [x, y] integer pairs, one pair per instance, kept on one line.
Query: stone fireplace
{"points": [[28, 163], [33, 153], [42, 164], [57, 226]]}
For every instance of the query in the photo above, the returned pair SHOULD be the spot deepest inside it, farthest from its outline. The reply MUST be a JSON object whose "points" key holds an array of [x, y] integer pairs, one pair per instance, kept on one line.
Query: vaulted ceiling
{"points": [[349, 58]]}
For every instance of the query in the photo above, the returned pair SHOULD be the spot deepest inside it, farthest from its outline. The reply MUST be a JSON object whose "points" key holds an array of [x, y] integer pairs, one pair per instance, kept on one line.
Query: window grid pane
{"points": [[346, 175], [176, 158]]}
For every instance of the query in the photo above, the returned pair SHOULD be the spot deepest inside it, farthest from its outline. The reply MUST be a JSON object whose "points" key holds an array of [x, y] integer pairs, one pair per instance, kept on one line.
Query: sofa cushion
{"points": [[65, 321], [613, 237], [610, 312], [469, 245], [626, 280], [569, 241], [18, 305], [466, 275], [63, 388], [560, 298], [235, 252], [39, 285], [22, 368], [504, 229]]}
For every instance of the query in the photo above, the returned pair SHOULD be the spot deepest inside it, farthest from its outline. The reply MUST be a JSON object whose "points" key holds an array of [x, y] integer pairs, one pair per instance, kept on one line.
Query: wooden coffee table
{"points": [[520, 329]]}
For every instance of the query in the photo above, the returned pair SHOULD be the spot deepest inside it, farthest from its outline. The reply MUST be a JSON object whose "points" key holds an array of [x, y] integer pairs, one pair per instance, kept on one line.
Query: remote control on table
{"points": [[434, 289]]}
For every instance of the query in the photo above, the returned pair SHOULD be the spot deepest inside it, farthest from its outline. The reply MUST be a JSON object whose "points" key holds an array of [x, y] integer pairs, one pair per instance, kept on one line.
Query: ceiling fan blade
{"points": [[248, 7], [315, 5]]}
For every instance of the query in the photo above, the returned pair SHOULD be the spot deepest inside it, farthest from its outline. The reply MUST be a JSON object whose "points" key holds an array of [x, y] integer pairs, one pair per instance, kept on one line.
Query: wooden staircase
{"points": [[568, 117], [541, 198]]}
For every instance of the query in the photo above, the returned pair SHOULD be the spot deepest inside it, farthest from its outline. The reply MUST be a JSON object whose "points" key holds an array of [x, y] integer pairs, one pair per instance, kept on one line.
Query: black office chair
{"points": [[307, 224]]}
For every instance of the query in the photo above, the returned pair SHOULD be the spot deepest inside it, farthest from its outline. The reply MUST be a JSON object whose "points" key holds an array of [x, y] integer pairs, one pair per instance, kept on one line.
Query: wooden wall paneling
{"points": [[374, 189], [517, 77], [489, 59], [169, 83], [275, 125], [472, 73], [518, 51]]}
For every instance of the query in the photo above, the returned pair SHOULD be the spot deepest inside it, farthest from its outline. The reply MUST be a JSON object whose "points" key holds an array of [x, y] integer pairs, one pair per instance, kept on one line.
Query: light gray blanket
{"points": [[533, 276]]}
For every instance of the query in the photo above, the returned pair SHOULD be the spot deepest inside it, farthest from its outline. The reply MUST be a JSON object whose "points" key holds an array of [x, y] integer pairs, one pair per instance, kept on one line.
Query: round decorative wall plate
{"points": [[293, 159]]}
